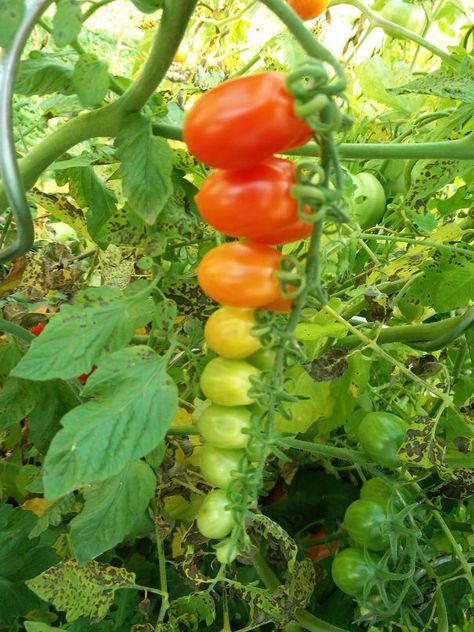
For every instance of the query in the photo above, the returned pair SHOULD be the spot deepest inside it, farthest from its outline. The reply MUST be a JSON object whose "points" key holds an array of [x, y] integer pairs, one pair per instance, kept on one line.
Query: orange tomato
{"points": [[308, 9], [320, 551], [240, 274]]}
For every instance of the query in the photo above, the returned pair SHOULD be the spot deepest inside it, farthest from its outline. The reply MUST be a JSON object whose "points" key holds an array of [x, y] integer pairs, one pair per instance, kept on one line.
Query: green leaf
{"points": [[101, 320], [37, 626], [444, 82], [111, 511], [90, 79], [17, 399], [88, 190], [81, 591], [53, 400], [20, 559], [133, 402], [42, 74], [193, 609], [146, 167], [67, 22], [445, 283], [11, 14]]}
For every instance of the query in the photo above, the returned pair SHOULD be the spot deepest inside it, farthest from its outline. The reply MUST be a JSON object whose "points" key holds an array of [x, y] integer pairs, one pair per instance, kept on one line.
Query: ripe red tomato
{"points": [[254, 202], [244, 121], [308, 9], [36, 330], [240, 274]]}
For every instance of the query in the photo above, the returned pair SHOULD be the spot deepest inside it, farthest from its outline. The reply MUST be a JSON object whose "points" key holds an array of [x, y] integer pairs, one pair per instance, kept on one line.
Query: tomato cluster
{"points": [[368, 524], [236, 128]]}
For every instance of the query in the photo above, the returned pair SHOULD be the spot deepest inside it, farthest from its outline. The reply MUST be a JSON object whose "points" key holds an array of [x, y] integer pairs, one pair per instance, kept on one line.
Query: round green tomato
{"points": [[365, 521], [218, 464], [368, 202], [223, 426], [351, 570], [379, 491], [410, 16], [227, 382], [226, 551], [380, 435], [213, 519], [264, 359]]}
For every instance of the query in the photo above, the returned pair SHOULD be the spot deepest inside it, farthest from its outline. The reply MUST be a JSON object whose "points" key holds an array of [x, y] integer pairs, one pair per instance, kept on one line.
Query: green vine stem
{"points": [[108, 120], [417, 242], [377, 20], [324, 450], [447, 329], [456, 548], [11, 328]]}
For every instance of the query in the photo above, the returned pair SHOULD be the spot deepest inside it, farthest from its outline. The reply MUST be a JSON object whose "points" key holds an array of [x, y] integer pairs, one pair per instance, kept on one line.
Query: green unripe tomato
{"points": [[227, 382], [380, 435], [410, 16], [364, 521], [368, 202], [264, 359], [218, 464], [351, 570], [226, 551], [223, 426], [214, 521], [379, 491]]}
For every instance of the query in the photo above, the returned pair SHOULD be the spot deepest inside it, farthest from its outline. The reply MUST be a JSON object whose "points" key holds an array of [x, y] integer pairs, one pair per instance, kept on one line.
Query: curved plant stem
{"points": [[15, 330], [418, 242], [108, 120], [377, 20], [422, 333], [456, 548], [324, 450]]}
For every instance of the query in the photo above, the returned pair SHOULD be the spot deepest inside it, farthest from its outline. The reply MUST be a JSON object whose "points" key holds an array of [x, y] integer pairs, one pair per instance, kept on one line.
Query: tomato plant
{"points": [[352, 569], [379, 491], [240, 274], [368, 201], [218, 464], [213, 128], [308, 9], [214, 521], [409, 15], [254, 202], [381, 434], [227, 382], [224, 426], [366, 523], [228, 332]]}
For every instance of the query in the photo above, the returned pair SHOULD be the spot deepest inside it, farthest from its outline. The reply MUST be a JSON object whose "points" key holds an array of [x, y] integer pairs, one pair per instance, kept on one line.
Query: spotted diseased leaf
{"points": [[378, 305], [302, 581], [86, 591], [462, 485], [421, 447], [444, 82], [11, 14], [193, 610], [277, 538], [67, 22], [328, 367], [445, 283], [264, 608]]}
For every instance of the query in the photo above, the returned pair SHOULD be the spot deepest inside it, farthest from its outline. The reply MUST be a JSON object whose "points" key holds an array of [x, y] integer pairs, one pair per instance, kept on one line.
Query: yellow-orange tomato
{"points": [[308, 9], [228, 332]]}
